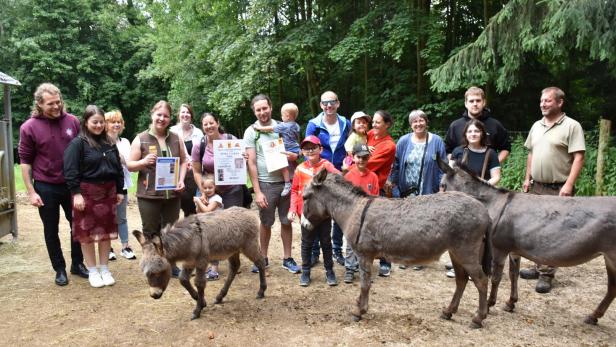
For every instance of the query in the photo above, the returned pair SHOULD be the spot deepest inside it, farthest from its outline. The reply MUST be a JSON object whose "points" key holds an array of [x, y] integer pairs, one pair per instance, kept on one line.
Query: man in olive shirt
{"points": [[555, 159]]}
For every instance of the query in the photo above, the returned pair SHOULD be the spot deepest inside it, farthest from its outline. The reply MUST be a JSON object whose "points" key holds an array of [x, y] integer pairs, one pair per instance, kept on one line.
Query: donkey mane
{"points": [[468, 170], [354, 189], [180, 231]]}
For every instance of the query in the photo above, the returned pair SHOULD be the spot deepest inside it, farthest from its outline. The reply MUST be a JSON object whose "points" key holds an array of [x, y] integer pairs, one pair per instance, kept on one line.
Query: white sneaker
{"points": [[450, 273], [128, 253], [286, 190], [96, 280], [107, 279], [112, 255]]}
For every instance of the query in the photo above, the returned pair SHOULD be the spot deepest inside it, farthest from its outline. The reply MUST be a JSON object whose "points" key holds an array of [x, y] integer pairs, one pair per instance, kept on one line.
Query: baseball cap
{"points": [[361, 150], [360, 114], [311, 139]]}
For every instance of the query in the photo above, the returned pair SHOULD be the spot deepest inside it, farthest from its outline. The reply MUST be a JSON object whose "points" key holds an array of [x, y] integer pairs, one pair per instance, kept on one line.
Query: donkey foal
{"points": [[196, 241]]}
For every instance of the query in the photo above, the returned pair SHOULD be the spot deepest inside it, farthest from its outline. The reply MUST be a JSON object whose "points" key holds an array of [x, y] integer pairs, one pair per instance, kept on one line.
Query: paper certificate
{"points": [[273, 151], [229, 162], [167, 173]]}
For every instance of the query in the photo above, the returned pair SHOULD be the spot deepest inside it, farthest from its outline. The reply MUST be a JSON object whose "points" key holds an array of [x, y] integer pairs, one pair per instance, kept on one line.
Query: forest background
{"points": [[393, 55]]}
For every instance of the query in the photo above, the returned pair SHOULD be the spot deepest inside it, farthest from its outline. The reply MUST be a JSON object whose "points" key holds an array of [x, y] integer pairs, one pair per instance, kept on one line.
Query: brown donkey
{"points": [[552, 230], [196, 241], [408, 231]]}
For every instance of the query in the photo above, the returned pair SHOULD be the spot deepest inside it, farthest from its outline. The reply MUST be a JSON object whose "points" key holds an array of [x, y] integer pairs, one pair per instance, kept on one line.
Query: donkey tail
{"points": [[486, 261]]}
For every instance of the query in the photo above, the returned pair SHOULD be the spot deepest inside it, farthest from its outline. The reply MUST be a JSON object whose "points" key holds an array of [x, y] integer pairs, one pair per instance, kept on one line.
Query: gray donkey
{"points": [[197, 240], [552, 230], [408, 231]]}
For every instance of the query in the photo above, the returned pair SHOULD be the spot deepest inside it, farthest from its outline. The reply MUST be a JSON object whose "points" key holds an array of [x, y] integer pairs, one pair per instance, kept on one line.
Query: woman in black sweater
{"points": [[94, 176]]}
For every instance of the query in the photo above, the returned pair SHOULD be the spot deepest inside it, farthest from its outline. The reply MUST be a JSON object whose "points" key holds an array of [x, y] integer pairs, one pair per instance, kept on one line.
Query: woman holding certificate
{"points": [[158, 155], [203, 161]]}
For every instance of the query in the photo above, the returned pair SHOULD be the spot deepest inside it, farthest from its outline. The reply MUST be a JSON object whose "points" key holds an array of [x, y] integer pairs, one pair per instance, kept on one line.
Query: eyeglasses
{"points": [[328, 102], [310, 149]]}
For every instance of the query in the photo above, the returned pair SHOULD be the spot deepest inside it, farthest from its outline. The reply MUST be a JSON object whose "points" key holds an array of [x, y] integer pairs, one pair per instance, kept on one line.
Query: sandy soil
{"points": [[404, 308]]}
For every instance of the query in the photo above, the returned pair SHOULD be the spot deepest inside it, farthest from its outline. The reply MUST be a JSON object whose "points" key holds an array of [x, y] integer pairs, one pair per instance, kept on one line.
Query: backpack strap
{"points": [[486, 159], [202, 145]]}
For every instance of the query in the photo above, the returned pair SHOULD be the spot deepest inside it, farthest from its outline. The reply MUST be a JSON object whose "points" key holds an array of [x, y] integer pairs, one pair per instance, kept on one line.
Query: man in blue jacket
{"points": [[332, 130]]}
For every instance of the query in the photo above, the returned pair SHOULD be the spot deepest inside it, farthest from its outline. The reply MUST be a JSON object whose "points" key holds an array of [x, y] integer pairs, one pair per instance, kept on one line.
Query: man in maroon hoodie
{"points": [[42, 141]]}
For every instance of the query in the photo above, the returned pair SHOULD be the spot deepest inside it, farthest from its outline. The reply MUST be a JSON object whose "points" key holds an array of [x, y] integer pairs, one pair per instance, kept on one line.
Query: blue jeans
{"points": [[55, 196], [336, 242], [121, 220]]}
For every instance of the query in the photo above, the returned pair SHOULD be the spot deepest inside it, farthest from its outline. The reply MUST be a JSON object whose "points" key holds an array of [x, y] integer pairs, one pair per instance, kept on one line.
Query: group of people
{"points": [[91, 178]]}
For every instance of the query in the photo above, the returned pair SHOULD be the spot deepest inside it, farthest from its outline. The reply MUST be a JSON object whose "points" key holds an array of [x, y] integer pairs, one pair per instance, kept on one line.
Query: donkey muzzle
{"points": [[156, 292], [306, 223]]}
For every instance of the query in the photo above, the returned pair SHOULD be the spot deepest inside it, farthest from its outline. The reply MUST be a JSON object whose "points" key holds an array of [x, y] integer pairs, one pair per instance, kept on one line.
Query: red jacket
{"points": [[367, 181], [303, 175], [382, 157]]}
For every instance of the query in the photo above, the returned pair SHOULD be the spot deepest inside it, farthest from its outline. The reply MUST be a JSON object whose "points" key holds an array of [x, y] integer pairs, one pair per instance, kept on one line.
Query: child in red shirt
{"points": [[311, 149], [359, 176]]}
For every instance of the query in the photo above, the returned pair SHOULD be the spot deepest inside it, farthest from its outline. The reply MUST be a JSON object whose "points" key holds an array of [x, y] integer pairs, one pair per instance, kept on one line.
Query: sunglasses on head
{"points": [[329, 102]]}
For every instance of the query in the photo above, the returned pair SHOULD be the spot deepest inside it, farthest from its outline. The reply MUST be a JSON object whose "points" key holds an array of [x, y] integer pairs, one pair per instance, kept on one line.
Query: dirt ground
{"points": [[404, 308]]}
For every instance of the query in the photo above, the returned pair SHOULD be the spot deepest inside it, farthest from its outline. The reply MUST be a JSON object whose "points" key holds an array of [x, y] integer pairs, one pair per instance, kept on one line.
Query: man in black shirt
{"points": [[475, 102]]}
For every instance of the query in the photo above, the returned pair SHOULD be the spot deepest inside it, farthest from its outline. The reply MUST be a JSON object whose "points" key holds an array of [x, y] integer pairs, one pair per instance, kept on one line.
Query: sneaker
{"points": [[255, 269], [448, 266], [529, 274], [450, 273], [330, 276], [349, 276], [211, 275], [384, 270], [286, 190], [128, 253], [403, 267], [175, 271], [304, 279], [291, 265], [96, 280], [112, 255], [418, 267], [339, 259], [107, 278]]}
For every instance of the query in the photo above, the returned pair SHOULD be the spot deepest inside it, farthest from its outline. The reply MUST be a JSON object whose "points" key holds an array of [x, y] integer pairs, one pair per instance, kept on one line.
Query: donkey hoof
{"points": [[591, 320], [260, 295], [446, 315], [218, 301], [509, 307], [476, 323], [195, 316]]}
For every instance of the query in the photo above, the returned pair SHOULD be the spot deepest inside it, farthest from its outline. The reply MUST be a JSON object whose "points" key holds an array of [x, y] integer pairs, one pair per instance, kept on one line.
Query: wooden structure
{"points": [[8, 205]]}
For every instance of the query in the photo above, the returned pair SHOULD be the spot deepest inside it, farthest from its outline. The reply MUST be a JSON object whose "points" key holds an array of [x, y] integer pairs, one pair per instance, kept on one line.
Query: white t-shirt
{"points": [[334, 134], [124, 148], [216, 198]]}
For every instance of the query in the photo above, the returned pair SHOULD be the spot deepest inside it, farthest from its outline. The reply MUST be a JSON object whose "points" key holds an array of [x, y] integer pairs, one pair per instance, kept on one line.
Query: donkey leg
{"points": [[234, 265], [461, 280], [200, 283], [514, 274], [498, 264], [480, 279], [609, 296], [365, 280], [253, 252], [185, 281]]}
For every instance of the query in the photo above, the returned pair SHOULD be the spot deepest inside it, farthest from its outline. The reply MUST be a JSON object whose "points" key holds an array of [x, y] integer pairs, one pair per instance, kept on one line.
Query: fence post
{"points": [[604, 138]]}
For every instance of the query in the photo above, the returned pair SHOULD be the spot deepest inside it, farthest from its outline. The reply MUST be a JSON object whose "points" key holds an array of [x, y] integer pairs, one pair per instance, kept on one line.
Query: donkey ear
{"points": [[139, 236], [444, 166], [319, 178], [158, 244]]}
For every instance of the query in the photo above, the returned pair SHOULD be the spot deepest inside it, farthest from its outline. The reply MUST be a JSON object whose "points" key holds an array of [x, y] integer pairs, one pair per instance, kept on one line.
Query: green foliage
{"points": [[514, 169]]}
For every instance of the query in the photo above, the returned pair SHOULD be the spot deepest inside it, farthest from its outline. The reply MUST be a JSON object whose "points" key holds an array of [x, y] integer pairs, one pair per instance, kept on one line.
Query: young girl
{"points": [[93, 174], [360, 124], [210, 202], [311, 148], [475, 153]]}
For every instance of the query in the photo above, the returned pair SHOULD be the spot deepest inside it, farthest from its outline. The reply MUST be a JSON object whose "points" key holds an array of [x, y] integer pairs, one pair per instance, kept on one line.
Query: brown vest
{"points": [[146, 178]]}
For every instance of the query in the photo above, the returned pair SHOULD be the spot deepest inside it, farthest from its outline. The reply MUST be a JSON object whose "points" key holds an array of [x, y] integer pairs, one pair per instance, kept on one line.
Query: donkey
{"points": [[407, 231], [550, 230], [197, 240]]}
